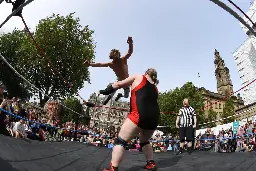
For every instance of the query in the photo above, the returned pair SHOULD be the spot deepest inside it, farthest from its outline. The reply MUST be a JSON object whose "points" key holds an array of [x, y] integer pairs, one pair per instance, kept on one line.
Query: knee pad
{"points": [[143, 144], [121, 142]]}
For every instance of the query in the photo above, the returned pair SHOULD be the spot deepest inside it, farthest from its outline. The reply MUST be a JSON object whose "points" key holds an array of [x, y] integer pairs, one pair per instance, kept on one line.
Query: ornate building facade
{"points": [[246, 112], [224, 83], [106, 117], [244, 57], [216, 101]]}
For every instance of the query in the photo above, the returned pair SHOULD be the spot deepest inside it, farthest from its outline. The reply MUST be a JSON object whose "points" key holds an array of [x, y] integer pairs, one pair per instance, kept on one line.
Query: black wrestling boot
{"points": [[118, 96], [107, 100]]}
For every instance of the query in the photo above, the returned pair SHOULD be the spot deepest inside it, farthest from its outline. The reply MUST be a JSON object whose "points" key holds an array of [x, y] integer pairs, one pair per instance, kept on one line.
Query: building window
{"points": [[242, 76], [219, 105], [216, 105], [240, 69], [220, 114]]}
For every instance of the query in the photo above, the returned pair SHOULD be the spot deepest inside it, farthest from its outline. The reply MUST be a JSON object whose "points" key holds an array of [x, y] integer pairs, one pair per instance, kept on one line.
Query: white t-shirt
{"points": [[19, 127]]}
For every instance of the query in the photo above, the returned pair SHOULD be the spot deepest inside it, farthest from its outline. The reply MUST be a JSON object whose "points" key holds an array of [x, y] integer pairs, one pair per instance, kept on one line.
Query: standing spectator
{"points": [[5, 105], [186, 122]]}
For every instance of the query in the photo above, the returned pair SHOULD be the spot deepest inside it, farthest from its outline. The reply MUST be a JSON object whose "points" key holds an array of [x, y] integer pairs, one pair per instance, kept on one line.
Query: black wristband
{"points": [[108, 90]]}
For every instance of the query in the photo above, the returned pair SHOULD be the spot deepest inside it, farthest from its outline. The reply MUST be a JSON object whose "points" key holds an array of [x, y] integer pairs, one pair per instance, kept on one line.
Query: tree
{"points": [[9, 46], [68, 115], [212, 115], [66, 45], [228, 112], [75, 105], [14, 84], [172, 101]]}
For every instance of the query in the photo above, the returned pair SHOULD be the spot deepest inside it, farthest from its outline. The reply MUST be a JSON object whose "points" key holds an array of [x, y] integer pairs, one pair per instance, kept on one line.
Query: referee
{"points": [[186, 122]]}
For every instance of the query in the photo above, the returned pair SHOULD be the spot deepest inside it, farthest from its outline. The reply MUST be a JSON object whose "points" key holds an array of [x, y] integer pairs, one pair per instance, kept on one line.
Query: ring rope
{"points": [[234, 14], [217, 120], [219, 3], [42, 52], [206, 106], [237, 7], [54, 70], [15, 11], [32, 85]]}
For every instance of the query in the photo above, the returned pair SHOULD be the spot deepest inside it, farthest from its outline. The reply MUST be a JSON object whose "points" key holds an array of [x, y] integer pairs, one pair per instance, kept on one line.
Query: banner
{"points": [[235, 126]]}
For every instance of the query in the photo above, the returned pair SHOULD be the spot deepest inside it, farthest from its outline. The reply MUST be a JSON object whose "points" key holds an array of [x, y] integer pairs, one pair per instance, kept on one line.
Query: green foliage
{"points": [[173, 100], [14, 84], [212, 116], [66, 44], [9, 47], [75, 105], [228, 110]]}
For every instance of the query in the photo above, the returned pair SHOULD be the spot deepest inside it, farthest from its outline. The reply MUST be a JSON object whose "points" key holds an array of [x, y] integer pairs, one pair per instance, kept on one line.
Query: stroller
{"points": [[207, 142]]}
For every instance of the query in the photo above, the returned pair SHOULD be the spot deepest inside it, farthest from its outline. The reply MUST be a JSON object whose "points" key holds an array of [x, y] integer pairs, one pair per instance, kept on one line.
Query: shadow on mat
{"points": [[47, 157], [135, 168], [168, 162], [165, 163], [5, 166]]}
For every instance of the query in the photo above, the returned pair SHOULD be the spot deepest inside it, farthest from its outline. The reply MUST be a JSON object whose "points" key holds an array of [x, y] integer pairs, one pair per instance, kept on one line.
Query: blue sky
{"points": [[177, 38]]}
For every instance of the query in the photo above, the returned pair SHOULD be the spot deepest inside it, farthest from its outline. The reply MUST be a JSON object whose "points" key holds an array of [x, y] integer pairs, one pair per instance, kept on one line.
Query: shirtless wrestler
{"points": [[119, 66]]}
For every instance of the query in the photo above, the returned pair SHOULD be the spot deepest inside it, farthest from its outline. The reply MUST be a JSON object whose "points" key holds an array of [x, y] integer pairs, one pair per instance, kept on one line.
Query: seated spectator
{"points": [[6, 106], [250, 145], [34, 132], [19, 129]]}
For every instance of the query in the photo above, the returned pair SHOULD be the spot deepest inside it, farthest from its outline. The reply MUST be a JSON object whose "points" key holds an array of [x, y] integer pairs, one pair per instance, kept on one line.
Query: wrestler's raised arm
{"points": [[130, 51], [88, 63]]}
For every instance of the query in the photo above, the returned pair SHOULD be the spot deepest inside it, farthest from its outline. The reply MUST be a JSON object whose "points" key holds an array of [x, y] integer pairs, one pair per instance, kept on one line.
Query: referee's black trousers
{"points": [[186, 133]]}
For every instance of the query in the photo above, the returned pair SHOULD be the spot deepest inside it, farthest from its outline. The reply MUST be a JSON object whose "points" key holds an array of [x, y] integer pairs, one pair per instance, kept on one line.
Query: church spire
{"points": [[224, 83]]}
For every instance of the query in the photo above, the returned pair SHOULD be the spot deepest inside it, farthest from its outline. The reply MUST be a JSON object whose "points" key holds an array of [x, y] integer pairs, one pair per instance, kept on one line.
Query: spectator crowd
{"points": [[28, 124]]}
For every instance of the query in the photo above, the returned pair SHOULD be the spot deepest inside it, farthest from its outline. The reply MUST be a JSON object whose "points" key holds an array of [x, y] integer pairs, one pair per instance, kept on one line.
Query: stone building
{"points": [[246, 112], [216, 101], [245, 60], [224, 83], [105, 117]]}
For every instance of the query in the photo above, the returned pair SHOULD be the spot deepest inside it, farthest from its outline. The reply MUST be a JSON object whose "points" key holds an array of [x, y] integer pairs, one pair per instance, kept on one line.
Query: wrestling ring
{"points": [[19, 155]]}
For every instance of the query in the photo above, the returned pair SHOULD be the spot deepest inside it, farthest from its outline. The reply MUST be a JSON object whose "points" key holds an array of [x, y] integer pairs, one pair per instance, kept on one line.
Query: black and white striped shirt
{"points": [[186, 115]]}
